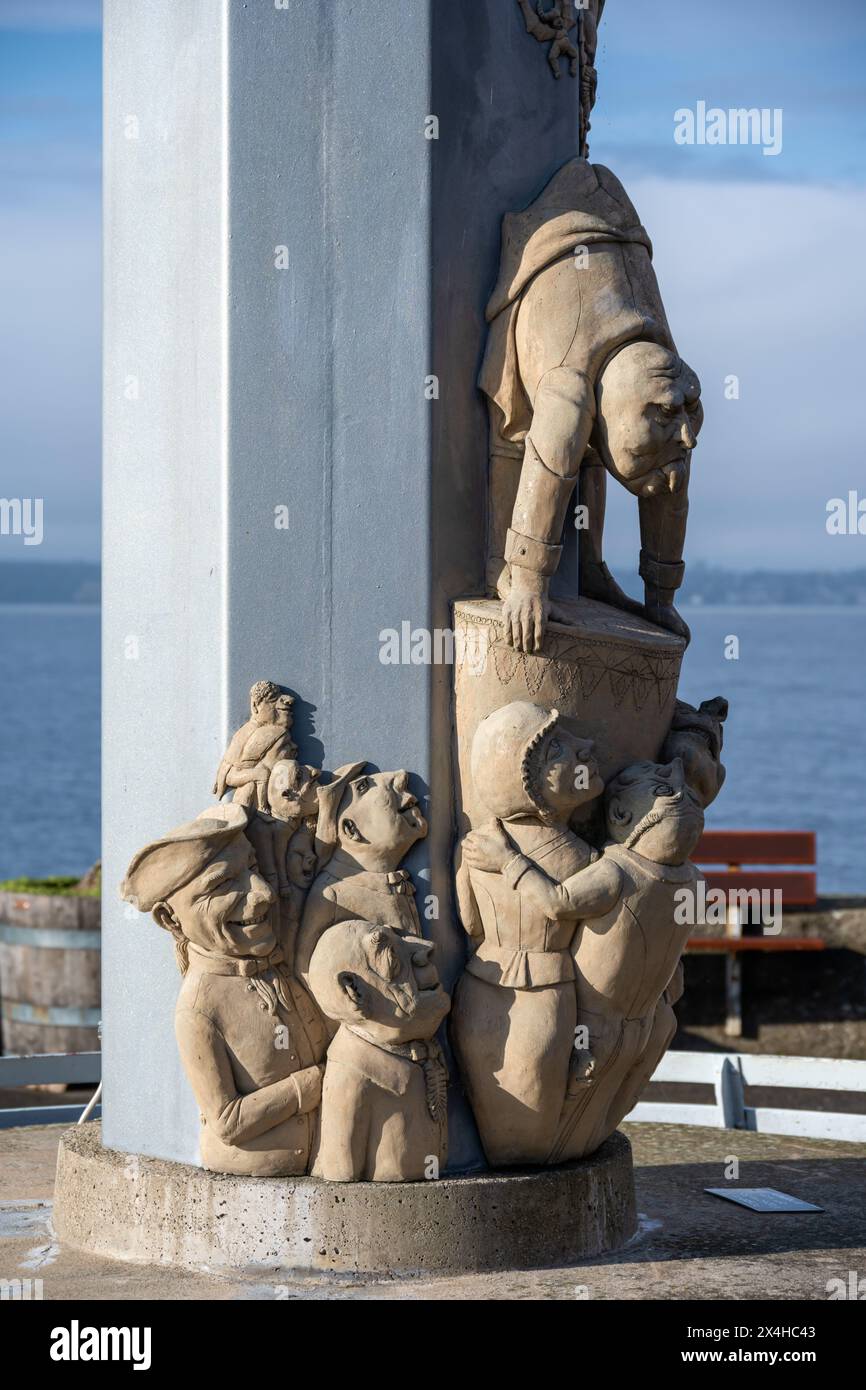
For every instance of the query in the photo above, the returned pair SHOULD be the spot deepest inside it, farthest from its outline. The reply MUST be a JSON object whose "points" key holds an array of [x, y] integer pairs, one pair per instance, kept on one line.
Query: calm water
{"points": [[49, 739], [795, 743], [795, 739]]}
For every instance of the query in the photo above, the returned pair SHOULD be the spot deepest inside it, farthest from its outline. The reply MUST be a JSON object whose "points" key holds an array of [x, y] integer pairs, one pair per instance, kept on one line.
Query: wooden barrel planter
{"points": [[50, 949]]}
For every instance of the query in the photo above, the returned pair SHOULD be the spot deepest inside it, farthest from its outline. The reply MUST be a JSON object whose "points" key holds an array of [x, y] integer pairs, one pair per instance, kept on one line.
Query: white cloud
{"points": [[764, 281], [49, 361]]}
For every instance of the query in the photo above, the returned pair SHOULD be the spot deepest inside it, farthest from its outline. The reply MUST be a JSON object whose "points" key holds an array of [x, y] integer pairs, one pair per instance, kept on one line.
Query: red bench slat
{"points": [[756, 847], [755, 943], [797, 889]]}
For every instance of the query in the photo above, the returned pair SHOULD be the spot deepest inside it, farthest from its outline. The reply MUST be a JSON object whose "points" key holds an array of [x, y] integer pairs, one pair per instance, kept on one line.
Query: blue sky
{"points": [[50, 131], [759, 259]]}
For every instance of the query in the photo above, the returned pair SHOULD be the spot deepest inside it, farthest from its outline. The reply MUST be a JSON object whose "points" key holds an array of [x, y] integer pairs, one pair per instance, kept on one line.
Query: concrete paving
{"points": [[690, 1245]]}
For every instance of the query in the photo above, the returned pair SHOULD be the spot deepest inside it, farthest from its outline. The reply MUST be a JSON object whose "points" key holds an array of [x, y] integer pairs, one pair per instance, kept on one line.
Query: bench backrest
{"points": [[734, 848]]}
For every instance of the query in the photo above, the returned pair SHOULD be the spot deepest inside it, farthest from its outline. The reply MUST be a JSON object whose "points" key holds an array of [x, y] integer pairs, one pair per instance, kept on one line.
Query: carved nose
{"points": [[687, 436], [260, 895]]}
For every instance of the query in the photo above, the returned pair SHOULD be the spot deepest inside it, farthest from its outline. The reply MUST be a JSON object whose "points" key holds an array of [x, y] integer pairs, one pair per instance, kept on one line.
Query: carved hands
{"points": [[525, 610], [488, 849]]}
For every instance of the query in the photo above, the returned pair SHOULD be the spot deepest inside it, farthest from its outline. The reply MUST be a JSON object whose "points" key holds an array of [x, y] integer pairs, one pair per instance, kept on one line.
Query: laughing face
{"points": [[649, 416], [226, 908]]}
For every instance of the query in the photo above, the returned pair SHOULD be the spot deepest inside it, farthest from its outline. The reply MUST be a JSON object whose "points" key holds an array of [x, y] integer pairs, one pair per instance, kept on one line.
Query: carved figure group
{"points": [[308, 1015], [297, 936], [565, 1007]]}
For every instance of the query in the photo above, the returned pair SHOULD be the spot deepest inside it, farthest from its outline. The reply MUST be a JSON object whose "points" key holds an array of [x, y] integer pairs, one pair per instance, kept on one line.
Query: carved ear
{"points": [[618, 814], [165, 918], [352, 987]]}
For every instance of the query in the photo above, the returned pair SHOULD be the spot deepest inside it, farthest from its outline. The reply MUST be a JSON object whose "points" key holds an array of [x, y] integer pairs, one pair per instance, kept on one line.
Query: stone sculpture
{"points": [[696, 737], [566, 940], [250, 1041], [291, 795], [590, 18], [581, 780], [553, 26], [583, 377], [309, 1007], [515, 1005], [384, 1114], [257, 746], [367, 823], [249, 891], [628, 958], [301, 871]]}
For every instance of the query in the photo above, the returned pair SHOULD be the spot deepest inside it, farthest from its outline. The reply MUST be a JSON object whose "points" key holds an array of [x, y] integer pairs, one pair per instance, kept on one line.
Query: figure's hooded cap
{"points": [[165, 866], [582, 203], [502, 759], [330, 797]]}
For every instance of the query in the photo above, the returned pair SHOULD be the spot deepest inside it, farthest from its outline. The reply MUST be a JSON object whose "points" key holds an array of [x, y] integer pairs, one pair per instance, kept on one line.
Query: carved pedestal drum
{"points": [[613, 677]]}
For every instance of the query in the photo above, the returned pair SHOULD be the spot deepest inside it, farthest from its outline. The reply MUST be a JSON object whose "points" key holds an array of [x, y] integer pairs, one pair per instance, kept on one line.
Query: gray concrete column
{"points": [[288, 261]]}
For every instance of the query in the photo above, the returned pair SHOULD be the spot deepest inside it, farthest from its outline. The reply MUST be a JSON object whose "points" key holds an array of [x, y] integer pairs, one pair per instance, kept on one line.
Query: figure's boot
{"points": [[662, 533], [661, 579]]}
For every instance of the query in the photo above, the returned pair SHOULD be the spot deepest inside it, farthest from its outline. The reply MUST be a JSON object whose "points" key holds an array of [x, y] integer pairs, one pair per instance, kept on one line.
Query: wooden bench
{"points": [[734, 848]]}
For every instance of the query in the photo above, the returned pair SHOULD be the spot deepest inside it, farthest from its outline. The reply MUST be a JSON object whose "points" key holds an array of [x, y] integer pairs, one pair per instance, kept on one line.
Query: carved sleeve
{"points": [[590, 893], [233, 1117], [562, 421]]}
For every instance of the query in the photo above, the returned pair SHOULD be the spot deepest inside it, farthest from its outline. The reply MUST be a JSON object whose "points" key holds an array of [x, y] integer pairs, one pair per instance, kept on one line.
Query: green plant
{"points": [[56, 886]]}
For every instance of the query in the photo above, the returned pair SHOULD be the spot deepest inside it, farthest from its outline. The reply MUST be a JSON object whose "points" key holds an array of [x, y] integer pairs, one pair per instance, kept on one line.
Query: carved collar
{"points": [[378, 1063], [340, 866], [212, 963], [648, 868]]}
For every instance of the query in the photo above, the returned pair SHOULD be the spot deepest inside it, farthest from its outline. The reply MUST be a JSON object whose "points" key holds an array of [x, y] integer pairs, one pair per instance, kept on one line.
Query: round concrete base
{"points": [[133, 1208]]}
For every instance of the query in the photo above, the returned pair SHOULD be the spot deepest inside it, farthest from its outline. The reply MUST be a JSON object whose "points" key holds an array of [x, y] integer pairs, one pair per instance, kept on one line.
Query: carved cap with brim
{"points": [[170, 863], [329, 798], [502, 759]]}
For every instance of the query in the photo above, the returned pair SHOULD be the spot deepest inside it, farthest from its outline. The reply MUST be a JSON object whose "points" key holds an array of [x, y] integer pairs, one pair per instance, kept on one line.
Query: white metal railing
{"points": [[730, 1073], [79, 1068]]}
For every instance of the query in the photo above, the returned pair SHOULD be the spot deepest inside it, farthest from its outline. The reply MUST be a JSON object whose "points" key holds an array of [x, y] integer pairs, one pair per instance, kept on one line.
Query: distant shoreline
{"points": [[68, 582], [78, 583]]}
